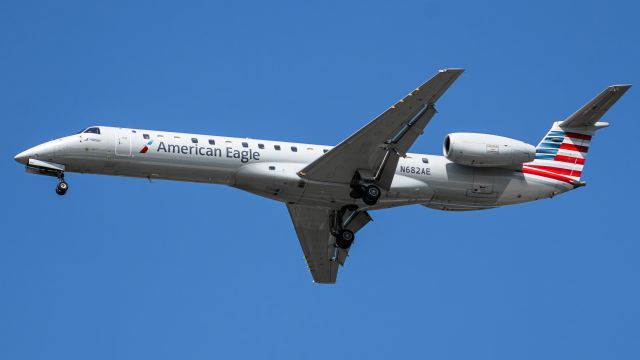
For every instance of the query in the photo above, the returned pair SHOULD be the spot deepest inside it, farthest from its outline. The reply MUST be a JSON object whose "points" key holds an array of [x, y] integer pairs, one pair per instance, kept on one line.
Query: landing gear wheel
{"points": [[62, 187], [345, 238], [371, 195], [373, 191]]}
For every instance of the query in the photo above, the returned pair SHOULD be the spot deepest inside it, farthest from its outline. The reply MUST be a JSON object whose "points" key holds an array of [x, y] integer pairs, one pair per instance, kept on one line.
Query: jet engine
{"points": [[484, 150]]}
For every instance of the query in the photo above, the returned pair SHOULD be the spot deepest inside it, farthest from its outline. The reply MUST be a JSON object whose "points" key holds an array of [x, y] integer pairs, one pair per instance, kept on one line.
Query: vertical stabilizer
{"points": [[562, 153]]}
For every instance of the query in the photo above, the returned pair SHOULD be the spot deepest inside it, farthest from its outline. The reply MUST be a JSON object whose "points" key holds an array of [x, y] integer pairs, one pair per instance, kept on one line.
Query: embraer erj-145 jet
{"points": [[329, 191]]}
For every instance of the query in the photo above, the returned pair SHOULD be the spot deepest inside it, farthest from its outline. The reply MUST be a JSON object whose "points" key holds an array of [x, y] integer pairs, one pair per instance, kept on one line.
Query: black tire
{"points": [[369, 201], [345, 239], [62, 188], [62, 185], [372, 192], [371, 195]]}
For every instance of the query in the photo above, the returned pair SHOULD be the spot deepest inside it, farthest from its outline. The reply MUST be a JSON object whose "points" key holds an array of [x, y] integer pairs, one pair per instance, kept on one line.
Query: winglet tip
{"points": [[457, 70], [620, 86]]}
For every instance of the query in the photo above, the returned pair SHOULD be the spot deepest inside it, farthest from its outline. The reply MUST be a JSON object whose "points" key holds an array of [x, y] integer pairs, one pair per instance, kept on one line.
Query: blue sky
{"points": [[127, 269]]}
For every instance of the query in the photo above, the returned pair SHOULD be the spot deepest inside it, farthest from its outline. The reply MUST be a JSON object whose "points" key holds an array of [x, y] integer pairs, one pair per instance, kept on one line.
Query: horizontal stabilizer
{"points": [[591, 113]]}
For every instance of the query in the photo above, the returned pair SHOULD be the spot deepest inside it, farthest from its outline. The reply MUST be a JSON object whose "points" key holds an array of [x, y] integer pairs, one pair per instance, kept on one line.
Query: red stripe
{"points": [[557, 170], [569, 159], [527, 170], [572, 147], [578, 136]]}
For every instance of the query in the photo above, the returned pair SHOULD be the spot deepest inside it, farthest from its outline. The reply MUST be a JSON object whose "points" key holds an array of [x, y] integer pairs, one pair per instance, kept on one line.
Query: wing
{"points": [[376, 147], [591, 113], [313, 227]]}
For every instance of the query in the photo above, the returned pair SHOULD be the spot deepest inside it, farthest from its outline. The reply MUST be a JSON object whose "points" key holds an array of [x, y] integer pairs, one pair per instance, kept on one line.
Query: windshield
{"points": [[91, 130]]}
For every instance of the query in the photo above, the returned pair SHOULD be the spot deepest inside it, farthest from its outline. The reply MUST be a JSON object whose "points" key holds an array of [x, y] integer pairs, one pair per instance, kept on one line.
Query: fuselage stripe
{"points": [[557, 170], [546, 174]]}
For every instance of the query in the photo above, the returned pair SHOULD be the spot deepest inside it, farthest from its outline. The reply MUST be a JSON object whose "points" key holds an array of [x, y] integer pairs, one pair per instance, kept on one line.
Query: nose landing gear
{"points": [[62, 186]]}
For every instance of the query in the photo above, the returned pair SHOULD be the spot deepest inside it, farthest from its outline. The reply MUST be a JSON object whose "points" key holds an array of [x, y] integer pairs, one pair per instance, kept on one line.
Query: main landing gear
{"points": [[369, 193], [62, 186], [344, 237]]}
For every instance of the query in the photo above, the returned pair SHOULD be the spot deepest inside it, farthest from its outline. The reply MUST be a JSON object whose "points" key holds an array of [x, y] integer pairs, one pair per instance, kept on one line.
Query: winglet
{"points": [[442, 81], [592, 112]]}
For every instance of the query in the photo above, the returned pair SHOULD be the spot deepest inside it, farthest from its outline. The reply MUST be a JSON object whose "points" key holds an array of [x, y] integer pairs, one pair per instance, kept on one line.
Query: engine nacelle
{"points": [[484, 150]]}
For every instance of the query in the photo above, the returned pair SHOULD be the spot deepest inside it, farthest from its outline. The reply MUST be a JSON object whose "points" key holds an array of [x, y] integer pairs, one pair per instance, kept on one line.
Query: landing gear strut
{"points": [[62, 186], [344, 237], [364, 185]]}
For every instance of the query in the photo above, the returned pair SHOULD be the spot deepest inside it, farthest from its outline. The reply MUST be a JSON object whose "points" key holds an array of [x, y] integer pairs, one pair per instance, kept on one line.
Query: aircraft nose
{"points": [[24, 156], [43, 152]]}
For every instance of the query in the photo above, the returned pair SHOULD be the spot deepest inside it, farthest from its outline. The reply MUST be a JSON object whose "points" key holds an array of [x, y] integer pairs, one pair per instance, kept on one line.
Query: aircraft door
{"points": [[123, 142]]}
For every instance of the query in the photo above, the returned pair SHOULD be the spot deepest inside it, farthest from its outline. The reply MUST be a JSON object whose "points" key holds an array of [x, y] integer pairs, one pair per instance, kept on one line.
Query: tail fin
{"points": [[561, 154]]}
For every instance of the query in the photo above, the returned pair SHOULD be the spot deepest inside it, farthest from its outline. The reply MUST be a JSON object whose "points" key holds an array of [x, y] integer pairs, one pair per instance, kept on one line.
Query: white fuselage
{"points": [[269, 169]]}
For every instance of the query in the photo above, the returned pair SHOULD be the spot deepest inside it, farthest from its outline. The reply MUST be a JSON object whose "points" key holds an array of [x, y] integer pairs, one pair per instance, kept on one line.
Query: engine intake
{"points": [[484, 150]]}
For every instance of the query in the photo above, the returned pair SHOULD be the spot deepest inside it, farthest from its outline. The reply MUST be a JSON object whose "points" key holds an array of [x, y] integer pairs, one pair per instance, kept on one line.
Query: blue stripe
{"points": [[555, 138], [548, 144], [555, 133], [545, 157], [546, 151]]}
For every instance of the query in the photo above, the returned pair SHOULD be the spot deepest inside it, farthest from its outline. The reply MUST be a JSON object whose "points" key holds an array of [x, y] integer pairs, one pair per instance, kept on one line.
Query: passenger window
{"points": [[277, 147], [244, 144], [260, 146], [160, 136], [145, 136], [294, 149], [194, 140], [212, 142], [425, 160], [272, 167], [310, 149], [92, 130]]}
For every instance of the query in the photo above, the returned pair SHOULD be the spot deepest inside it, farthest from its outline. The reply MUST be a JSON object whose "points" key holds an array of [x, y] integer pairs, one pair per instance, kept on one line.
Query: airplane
{"points": [[329, 191]]}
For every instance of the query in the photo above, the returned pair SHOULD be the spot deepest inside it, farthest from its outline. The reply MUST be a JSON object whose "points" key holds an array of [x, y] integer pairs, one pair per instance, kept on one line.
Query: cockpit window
{"points": [[92, 130]]}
